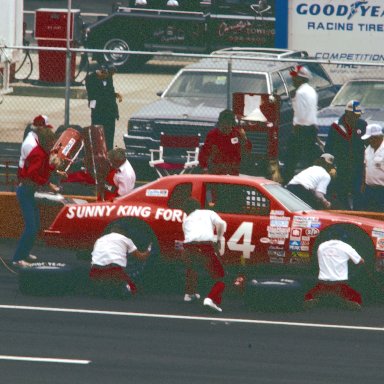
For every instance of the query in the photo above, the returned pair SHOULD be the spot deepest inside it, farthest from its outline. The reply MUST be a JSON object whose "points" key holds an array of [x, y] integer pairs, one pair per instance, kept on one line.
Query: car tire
{"points": [[363, 278], [141, 234], [120, 60], [50, 279]]}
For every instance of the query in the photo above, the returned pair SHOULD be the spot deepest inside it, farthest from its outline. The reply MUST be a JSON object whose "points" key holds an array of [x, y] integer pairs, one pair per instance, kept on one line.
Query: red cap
{"points": [[40, 121]]}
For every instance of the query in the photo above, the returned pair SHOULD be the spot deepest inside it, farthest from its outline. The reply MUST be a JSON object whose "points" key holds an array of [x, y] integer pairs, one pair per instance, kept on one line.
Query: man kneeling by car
{"points": [[333, 257], [109, 260]]}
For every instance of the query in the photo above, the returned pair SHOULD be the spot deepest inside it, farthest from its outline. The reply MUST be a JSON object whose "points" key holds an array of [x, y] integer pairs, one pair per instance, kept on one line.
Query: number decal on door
{"points": [[241, 240]]}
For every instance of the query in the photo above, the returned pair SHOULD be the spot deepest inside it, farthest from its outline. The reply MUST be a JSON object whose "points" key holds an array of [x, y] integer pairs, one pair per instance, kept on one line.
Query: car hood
{"points": [[191, 108], [328, 115]]}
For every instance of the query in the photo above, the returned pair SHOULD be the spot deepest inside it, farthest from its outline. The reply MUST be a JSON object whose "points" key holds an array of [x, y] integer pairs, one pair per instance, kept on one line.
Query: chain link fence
{"points": [[30, 96]]}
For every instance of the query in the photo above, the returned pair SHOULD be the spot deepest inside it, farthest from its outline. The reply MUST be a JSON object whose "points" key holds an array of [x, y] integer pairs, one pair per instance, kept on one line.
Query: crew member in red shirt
{"points": [[35, 168], [224, 147]]}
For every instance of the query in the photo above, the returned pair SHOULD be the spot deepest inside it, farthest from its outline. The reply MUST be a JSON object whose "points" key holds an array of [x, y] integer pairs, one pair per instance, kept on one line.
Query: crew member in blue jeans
{"points": [[35, 168]]}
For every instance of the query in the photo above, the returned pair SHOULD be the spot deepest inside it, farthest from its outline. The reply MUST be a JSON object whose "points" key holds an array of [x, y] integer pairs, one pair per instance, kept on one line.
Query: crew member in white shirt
{"points": [[200, 246], [303, 148], [374, 168], [109, 258], [122, 178], [311, 184], [333, 257]]}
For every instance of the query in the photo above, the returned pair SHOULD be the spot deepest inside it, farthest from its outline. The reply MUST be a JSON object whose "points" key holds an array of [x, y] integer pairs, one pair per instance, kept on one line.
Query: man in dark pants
{"points": [[303, 149], [102, 101], [345, 144]]}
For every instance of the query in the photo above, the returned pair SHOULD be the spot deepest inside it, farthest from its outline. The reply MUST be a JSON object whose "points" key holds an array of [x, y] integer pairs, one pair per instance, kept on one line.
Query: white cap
{"points": [[141, 2], [328, 158], [373, 130], [301, 71], [172, 3]]}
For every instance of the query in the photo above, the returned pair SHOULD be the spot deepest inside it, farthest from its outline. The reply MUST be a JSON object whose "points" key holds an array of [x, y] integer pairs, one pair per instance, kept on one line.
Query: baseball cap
{"points": [[354, 106], [328, 158], [373, 130], [300, 71], [40, 121]]}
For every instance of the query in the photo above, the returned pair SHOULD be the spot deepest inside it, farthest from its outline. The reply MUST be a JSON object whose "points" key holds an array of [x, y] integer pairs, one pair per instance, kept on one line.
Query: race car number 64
{"points": [[240, 241]]}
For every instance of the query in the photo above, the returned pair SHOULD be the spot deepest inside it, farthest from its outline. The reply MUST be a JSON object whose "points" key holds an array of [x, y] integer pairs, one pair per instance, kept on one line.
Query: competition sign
{"points": [[341, 30]]}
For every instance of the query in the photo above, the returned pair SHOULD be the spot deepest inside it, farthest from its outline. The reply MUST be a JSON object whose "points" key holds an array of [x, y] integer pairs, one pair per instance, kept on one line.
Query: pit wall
{"points": [[11, 220]]}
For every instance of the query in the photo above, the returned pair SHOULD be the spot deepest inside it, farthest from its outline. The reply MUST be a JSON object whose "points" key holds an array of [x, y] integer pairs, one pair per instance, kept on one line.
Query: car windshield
{"points": [[214, 84], [369, 93], [288, 199]]}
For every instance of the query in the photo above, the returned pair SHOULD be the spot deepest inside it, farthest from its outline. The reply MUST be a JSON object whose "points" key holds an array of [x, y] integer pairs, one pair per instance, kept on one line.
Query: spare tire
{"points": [[273, 295], [48, 279]]}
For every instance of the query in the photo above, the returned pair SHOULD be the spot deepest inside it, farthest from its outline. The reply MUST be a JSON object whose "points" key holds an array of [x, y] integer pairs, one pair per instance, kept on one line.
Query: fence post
{"points": [[68, 69]]}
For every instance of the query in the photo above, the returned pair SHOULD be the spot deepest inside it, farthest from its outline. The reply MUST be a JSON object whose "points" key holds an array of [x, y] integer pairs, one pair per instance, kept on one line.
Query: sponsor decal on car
{"points": [[306, 222], [92, 211], [380, 243], [156, 192], [378, 232], [311, 231]]}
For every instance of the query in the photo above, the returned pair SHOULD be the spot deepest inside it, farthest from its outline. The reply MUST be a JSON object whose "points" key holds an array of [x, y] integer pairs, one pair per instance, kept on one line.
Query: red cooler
{"points": [[51, 31], [68, 147]]}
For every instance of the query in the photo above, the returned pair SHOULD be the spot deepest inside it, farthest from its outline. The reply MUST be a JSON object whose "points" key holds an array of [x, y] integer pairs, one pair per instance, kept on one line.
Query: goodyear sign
{"points": [[338, 30]]}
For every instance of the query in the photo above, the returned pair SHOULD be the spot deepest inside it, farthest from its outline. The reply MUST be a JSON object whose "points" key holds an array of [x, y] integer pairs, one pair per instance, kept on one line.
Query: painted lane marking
{"points": [[44, 359], [198, 318]]}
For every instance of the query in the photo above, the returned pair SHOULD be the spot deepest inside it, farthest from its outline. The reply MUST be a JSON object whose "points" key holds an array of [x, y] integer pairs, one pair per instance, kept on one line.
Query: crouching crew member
{"points": [[200, 246], [311, 184], [333, 257], [109, 259]]}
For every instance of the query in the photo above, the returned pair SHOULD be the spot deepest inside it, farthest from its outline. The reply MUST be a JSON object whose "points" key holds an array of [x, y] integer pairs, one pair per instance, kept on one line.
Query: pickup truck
{"points": [[196, 27]]}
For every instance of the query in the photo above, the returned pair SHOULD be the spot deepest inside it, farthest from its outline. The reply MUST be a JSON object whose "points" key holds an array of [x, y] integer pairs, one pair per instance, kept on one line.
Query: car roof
{"points": [[210, 177], [273, 53], [238, 64]]}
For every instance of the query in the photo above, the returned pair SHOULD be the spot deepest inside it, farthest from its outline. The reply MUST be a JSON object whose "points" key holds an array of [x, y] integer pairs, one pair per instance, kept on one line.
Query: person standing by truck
{"points": [[345, 144], [303, 149], [102, 101], [224, 147]]}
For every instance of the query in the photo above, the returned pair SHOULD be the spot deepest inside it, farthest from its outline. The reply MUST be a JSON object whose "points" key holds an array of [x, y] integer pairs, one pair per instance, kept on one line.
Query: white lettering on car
{"points": [[85, 211], [169, 214]]}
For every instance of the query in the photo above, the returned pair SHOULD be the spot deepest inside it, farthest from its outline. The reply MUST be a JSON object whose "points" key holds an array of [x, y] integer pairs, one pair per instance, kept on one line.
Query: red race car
{"points": [[266, 223]]}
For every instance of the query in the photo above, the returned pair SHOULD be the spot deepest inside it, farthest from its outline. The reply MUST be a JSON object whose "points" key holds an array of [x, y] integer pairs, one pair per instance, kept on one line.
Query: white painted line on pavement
{"points": [[43, 359], [199, 318]]}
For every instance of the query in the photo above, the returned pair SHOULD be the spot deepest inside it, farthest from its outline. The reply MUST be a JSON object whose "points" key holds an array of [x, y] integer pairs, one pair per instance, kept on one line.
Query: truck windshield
{"points": [[214, 84], [286, 198]]}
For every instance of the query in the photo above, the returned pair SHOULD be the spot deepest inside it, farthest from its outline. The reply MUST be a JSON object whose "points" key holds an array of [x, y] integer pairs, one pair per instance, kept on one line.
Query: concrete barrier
{"points": [[11, 220]]}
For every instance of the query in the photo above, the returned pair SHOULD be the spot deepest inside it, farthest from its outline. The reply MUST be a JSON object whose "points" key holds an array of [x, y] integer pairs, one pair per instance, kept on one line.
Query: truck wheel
{"points": [[122, 60]]}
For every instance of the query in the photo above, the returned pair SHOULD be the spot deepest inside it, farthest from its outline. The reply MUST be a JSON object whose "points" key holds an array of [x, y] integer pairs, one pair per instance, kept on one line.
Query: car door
{"points": [[247, 213]]}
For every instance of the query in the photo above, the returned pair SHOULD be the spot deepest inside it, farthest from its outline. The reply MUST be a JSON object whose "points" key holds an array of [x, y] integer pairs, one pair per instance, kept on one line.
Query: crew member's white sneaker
{"points": [[209, 303], [191, 297]]}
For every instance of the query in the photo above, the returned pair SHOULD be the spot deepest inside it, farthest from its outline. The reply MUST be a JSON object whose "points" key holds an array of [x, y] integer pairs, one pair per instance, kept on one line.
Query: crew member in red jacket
{"points": [[35, 168], [224, 147]]}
